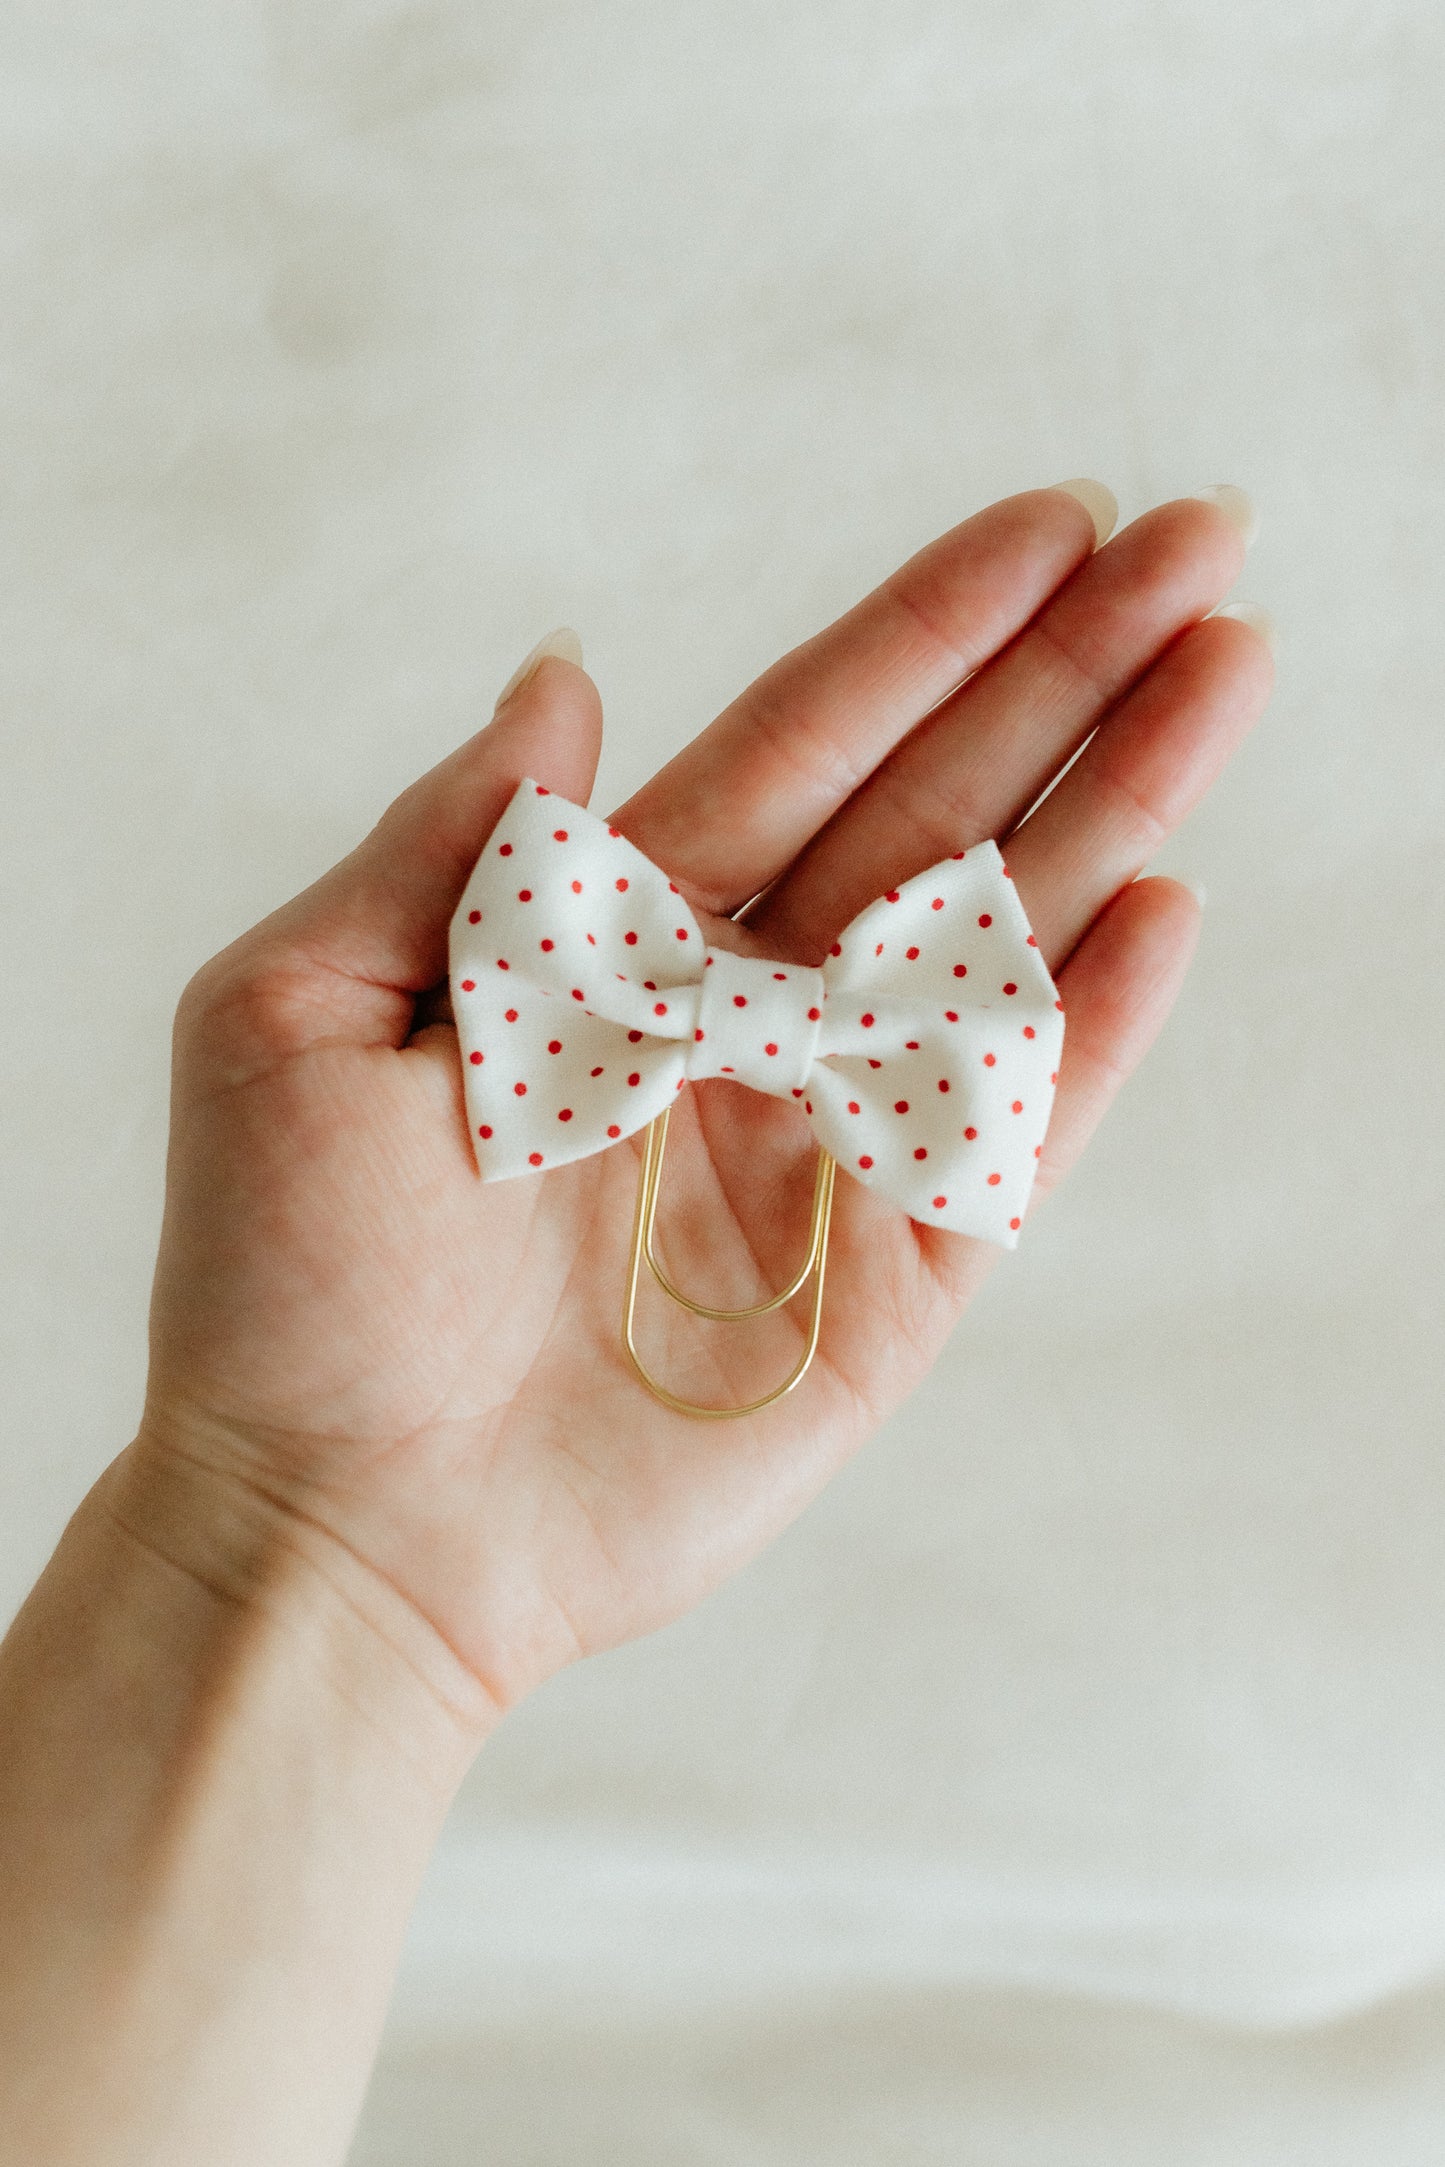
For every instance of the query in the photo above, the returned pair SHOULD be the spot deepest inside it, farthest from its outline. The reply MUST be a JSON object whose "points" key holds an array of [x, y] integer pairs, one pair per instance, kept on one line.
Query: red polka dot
{"points": [[621, 886], [900, 1106], [781, 976], [872, 1063], [815, 1015], [474, 917], [576, 887], [546, 947], [1038, 1151], [594, 1072], [943, 1084], [634, 1036], [520, 1089], [971, 1134], [867, 1022], [951, 1014], [892, 896], [631, 939], [960, 970], [614, 833], [994, 1180], [511, 1015], [612, 1129], [939, 1202], [697, 1036], [913, 955], [673, 887], [634, 1078], [910, 1045], [524, 895], [797, 1094], [988, 1060], [659, 1008], [709, 962], [1054, 1077], [937, 902], [534, 1158], [543, 791], [577, 993], [592, 940], [554, 1045], [475, 1059], [484, 1130], [1010, 987], [559, 835], [1029, 1030], [505, 850], [835, 950], [1018, 1106], [1015, 1224], [740, 1000], [564, 1113], [503, 964], [920, 1153], [1032, 942], [985, 919], [770, 1048], [1059, 1006], [682, 932], [807, 1106], [469, 985], [865, 1162], [854, 1107], [879, 949]]}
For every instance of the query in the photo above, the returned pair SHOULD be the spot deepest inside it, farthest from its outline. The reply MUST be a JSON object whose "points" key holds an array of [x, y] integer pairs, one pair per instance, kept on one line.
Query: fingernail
{"points": [[1258, 620], [1199, 892], [563, 643], [1236, 507], [1099, 501]]}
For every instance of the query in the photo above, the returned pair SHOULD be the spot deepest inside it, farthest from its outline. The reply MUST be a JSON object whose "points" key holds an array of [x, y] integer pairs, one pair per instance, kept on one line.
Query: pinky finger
{"points": [[1118, 988]]}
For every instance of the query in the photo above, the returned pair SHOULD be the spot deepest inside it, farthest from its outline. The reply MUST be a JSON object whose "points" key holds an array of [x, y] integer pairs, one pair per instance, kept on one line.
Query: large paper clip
{"points": [[644, 1251]]}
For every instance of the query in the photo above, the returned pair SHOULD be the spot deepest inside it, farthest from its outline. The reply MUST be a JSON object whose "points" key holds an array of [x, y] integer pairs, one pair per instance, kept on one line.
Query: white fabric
{"points": [[924, 1052]]}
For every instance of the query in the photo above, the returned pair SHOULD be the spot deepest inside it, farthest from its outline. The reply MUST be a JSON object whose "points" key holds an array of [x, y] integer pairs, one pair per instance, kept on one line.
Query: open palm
{"points": [[423, 1375]]}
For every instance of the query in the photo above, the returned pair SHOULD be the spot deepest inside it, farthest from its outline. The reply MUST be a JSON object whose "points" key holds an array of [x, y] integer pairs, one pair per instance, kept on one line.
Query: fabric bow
{"points": [[924, 1052]]}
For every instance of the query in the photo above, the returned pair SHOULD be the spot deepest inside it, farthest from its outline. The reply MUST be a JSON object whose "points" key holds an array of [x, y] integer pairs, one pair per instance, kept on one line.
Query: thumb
{"points": [[346, 958]]}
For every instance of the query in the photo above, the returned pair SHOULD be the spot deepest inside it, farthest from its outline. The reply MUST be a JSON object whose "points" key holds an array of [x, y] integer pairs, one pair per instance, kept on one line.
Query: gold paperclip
{"points": [[814, 1266]]}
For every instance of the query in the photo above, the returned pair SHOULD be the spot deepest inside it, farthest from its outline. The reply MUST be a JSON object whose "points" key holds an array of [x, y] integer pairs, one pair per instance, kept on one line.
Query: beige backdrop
{"points": [[1068, 1789]]}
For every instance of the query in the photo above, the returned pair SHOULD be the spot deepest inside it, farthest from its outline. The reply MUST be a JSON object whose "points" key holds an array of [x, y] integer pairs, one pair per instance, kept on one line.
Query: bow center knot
{"points": [[757, 1021]]}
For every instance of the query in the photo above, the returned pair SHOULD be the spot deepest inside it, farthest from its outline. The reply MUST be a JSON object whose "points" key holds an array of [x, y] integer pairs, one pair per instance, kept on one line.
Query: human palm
{"points": [[425, 1373]]}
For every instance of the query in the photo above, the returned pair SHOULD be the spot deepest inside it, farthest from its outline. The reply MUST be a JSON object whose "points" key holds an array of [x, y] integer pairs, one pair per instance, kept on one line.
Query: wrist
{"points": [[227, 1759], [270, 1575]]}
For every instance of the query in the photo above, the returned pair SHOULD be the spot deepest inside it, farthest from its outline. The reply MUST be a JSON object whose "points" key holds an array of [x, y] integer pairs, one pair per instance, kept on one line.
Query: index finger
{"points": [[734, 808]]}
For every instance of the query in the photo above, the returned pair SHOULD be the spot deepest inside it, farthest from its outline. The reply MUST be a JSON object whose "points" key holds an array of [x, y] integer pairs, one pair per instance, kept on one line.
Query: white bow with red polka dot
{"points": [[924, 1051]]}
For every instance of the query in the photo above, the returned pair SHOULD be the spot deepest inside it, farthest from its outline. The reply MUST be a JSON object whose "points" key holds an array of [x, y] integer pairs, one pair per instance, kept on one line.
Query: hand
{"points": [[419, 1378]]}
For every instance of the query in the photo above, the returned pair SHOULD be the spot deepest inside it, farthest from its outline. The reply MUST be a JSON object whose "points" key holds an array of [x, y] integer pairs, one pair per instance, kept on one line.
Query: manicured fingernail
{"points": [[1099, 501], [563, 643], [1236, 507], [1258, 620]]}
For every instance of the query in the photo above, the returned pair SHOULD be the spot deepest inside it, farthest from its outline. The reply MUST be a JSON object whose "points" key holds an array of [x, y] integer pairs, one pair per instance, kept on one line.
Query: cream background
{"points": [[1068, 1788]]}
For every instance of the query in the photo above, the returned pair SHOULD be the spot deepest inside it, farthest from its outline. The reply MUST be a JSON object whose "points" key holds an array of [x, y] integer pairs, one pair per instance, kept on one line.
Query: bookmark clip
{"points": [[643, 1251]]}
